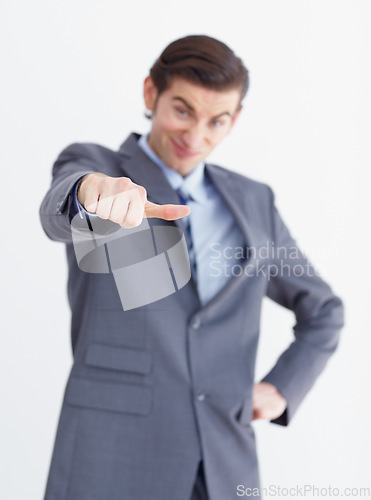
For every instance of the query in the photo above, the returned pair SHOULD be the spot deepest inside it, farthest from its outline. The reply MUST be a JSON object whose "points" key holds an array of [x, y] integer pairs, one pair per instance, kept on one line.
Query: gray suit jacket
{"points": [[152, 386]]}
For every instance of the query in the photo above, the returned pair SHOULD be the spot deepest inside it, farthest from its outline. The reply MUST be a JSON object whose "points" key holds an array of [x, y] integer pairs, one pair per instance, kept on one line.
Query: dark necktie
{"points": [[184, 199]]}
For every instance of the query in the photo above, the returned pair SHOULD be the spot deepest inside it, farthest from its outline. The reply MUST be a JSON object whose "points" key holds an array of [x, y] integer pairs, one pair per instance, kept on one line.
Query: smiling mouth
{"points": [[181, 151]]}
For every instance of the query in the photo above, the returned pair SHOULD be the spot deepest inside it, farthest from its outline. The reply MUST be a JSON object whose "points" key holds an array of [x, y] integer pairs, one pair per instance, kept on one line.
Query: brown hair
{"points": [[202, 60]]}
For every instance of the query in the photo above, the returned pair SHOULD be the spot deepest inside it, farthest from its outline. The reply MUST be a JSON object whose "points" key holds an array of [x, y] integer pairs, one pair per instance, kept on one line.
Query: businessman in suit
{"points": [[161, 394]]}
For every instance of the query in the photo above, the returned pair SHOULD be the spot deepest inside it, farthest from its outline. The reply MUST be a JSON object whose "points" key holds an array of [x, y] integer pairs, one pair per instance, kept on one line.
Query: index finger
{"points": [[166, 212]]}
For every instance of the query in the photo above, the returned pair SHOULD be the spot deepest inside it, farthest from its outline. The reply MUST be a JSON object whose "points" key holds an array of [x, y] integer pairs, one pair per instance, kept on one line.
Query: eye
{"points": [[217, 123], [182, 112]]}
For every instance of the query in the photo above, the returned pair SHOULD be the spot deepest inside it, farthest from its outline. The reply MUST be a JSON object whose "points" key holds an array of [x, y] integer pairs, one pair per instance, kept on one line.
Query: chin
{"points": [[184, 168]]}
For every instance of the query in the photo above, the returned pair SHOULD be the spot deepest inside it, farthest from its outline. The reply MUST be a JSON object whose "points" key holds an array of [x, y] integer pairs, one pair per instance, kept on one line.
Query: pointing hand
{"points": [[122, 201]]}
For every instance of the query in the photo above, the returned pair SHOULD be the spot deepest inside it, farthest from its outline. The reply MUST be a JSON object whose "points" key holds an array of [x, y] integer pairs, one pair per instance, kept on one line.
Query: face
{"points": [[188, 121]]}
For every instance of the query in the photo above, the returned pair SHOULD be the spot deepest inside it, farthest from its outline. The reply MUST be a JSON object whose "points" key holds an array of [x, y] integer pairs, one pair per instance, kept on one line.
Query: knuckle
{"points": [[133, 220], [90, 207], [129, 223], [93, 180], [124, 183], [102, 214], [142, 191], [116, 218]]}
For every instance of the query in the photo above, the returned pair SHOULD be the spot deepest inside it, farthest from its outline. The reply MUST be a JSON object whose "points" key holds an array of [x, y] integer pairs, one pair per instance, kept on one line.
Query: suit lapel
{"points": [[240, 205], [235, 199]]}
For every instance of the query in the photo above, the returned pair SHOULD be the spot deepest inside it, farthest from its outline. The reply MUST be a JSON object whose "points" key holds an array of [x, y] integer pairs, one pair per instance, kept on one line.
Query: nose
{"points": [[194, 137]]}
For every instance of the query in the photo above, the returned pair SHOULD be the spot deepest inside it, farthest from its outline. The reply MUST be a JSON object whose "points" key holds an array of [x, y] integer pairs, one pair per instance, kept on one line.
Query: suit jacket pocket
{"points": [[119, 358], [108, 396]]}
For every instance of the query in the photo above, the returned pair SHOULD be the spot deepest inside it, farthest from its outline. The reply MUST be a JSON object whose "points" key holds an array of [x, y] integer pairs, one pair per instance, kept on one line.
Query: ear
{"points": [[149, 93]]}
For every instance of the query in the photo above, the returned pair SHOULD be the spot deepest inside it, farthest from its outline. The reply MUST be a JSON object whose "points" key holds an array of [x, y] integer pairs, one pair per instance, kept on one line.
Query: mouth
{"points": [[184, 153]]}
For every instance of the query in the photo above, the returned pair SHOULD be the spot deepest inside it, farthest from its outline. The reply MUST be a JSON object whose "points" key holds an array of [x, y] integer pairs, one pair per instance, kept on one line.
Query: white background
{"points": [[72, 71]]}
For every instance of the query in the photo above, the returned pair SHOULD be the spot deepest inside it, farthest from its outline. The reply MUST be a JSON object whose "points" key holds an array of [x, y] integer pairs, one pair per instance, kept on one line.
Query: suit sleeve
{"points": [[58, 208], [296, 285]]}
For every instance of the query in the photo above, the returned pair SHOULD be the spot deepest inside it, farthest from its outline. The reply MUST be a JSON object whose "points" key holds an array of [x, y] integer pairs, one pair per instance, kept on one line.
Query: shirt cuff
{"points": [[76, 207]]}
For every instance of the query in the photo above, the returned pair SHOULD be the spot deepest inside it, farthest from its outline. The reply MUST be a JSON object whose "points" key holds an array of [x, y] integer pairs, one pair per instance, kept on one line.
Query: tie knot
{"points": [[184, 196]]}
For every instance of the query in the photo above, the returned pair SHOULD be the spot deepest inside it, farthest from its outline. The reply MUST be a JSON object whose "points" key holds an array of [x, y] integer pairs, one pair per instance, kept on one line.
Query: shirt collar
{"points": [[194, 183]]}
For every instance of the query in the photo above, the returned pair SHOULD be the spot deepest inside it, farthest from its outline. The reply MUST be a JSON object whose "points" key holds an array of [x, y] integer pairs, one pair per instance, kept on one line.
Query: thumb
{"points": [[257, 414], [166, 212]]}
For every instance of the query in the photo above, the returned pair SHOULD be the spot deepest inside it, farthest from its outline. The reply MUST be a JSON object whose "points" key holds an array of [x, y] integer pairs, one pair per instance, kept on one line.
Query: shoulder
{"points": [[91, 155], [86, 150], [250, 186]]}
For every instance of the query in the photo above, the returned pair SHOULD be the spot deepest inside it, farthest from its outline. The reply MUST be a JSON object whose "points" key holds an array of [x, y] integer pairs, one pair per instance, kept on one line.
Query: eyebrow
{"points": [[187, 105]]}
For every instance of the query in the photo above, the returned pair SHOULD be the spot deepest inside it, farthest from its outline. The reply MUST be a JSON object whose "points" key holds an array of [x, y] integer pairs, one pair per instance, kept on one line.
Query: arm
{"points": [[57, 210], [294, 284], [114, 199]]}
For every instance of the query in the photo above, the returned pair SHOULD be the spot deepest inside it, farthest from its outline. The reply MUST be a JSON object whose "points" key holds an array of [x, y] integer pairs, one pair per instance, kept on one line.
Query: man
{"points": [[161, 395]]}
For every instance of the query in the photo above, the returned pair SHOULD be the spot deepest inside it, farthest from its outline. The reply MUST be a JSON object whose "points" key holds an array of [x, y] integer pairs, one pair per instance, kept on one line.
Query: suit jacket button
{"points": [[201, 396], [196, 322]]}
